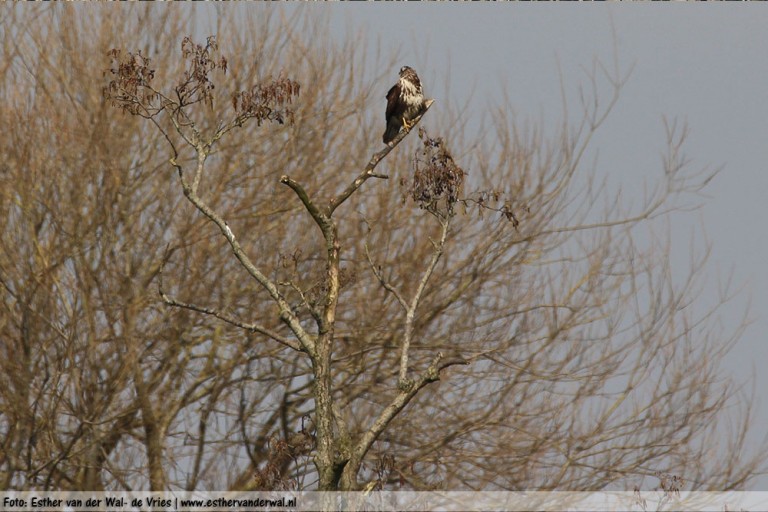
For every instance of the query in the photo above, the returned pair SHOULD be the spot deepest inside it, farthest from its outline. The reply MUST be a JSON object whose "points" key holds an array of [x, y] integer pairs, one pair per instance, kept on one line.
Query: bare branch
{"points": [[252, 327], [320, 218], [398, 403], [376, 269], [374, 161], [286, 313], [410, 314]]}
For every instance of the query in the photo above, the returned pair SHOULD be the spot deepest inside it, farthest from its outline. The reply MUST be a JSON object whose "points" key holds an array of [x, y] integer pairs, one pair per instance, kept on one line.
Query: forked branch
{"points": [[398, 403], [410, 306]]}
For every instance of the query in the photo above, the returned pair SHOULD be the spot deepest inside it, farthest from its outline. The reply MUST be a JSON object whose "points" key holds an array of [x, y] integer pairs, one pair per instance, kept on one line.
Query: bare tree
{"points": [[483, 319]]}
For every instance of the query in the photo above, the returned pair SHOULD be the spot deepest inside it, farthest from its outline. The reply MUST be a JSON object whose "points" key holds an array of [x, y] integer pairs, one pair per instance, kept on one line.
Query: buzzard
{"points": [[405, 102]]}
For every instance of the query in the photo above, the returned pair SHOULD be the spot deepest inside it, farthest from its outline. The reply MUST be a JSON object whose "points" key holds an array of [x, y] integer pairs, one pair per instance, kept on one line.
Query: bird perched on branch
{"points": [[405, 103]]}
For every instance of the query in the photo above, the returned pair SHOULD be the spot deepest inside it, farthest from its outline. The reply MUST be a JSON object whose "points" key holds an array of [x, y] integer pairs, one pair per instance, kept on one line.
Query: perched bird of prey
{"points": [[405, 102]]}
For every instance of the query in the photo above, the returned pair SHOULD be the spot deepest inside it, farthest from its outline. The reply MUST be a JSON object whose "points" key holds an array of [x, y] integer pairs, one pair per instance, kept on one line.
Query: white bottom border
{"points": [[643, 501]]}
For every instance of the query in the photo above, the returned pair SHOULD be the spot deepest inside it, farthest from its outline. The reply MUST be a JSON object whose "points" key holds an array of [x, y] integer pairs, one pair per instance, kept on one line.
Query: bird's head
{"points": [[405, 70]]}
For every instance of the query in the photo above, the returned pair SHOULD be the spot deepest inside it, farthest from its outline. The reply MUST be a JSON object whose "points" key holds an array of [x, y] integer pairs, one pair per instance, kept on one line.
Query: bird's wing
{"points": [[392, 100]]}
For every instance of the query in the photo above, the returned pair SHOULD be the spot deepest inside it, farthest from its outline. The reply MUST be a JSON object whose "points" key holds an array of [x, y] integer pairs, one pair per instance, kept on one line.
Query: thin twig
{"points": [[252, 327], [386, 284]]}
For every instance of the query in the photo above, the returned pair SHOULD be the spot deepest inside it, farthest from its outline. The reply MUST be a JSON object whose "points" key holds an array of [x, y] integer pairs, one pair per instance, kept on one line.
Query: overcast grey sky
{"points": [[701, 64]]}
